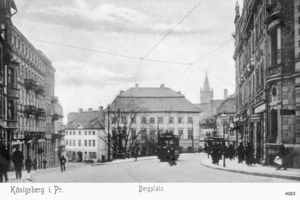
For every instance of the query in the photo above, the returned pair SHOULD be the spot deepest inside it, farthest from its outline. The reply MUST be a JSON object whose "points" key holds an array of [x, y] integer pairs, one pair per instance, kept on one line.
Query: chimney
{"points": [[101, 109], [121, 91], [136, 85], [225, 93], [80, 110], [179, 92], [90, 109], [162, 86]]}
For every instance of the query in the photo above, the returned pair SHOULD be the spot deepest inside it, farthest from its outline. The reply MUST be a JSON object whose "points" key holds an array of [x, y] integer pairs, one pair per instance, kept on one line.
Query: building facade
{"points": [[157, 111], [266, 43], [85, 136], [28, 91]]}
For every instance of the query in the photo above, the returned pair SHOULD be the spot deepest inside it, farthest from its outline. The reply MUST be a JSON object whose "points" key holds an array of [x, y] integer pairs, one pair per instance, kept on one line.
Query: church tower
{"points": [[206, 93]]}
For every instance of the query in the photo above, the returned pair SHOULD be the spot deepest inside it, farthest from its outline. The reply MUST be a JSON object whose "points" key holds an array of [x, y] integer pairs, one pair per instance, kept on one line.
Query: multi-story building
{"points": [[153, 111], [85, 136], [28, 90], [266, 54]]}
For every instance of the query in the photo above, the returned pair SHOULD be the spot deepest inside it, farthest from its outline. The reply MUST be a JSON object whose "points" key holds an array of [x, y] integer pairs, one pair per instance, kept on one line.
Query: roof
{"points": [[150, 92], [227, 106], [86, 120], [153, 100]]}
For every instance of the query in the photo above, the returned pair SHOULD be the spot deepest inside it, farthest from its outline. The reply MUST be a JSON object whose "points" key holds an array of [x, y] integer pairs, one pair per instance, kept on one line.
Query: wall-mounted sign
{"points": [[260, 108]]}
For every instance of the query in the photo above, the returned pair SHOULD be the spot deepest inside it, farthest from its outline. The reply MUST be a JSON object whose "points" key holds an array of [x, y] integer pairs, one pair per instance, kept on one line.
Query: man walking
{"points": [[282, 154], [44, 163], [62, 161], [240, 152], [17, 159], [28, 164], [4, 163]]}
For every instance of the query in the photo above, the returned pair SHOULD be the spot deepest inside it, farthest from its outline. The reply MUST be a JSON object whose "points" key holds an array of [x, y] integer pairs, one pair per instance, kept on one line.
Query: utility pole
{"points": [[108, 134]]}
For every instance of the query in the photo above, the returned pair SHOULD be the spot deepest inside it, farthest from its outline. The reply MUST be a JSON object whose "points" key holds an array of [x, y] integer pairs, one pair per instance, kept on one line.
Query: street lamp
{"points": [[223, 117]]}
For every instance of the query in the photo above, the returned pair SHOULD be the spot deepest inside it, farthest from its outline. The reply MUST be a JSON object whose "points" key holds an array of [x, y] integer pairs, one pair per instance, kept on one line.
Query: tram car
{"points": [[168, 147]]}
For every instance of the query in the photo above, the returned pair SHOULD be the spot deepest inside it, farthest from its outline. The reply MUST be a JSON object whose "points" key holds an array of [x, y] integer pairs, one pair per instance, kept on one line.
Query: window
{"points": [[93, 155], [152, 134], [85, 132], [124, 119], [90, 143], [10, 110], [113, 120], [180, 133], [74, 143], [133, 133], [171, 120], [10, 77], [180, 120], [85, 143], [160, 120], [79, 143], [144, 120], [133, 120], [94, 133], [66, 132], [190, 120], [74, 133], [190, 134], [67, 142], [152, 120], [79, 132], [94, 143], [89, 132], [274, 47]]}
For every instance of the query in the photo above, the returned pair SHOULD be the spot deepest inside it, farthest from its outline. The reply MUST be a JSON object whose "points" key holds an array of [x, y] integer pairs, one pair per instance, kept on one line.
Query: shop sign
{"points": [[287, 112], [260, 108]]}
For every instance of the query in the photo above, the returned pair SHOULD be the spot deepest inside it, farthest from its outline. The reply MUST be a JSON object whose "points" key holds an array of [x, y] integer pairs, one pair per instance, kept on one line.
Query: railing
{"points": [[30, 84], [40, 90], [12, 93], [40, 112], [30, 110], [273, 10], [54, 99]]}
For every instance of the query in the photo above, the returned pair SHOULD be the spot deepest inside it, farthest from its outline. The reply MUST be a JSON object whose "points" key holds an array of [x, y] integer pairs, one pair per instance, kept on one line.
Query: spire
{"points": [[237, 12], [206, 87]]}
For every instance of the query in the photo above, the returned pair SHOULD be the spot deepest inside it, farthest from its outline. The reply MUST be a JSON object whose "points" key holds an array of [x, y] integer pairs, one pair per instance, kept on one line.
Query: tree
{"points": [[121, 120]]}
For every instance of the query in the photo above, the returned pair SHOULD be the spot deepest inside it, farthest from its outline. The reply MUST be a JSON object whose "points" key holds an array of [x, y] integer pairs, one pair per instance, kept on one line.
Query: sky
{"points": [[89, 79]]}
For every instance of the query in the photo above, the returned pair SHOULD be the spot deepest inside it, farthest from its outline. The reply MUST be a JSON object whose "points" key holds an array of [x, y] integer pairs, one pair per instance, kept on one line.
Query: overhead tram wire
{"points": [[172, 30], [202, 57], [166, 35], [111, 53]]}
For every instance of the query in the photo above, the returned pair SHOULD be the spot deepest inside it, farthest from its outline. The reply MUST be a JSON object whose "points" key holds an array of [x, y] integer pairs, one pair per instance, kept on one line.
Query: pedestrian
{"points": [[216, 153], [249, 152], [282, 154], [44, 163], [240, 153], [18, 158], [136, 154], [62, 160], [4, 163], [35, 164], [28, 164], [231, 152]]}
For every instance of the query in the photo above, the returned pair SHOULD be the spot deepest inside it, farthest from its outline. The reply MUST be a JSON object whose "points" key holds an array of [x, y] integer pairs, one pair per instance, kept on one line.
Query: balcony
{"points": [[274, 70], [41, 113], [273, 11], [56, 117], [30, 84], [54, 99], [39, 89], [12, 93], [30, 110]]}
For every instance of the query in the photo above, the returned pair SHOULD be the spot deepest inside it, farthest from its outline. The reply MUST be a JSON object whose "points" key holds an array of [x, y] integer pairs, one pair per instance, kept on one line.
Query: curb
{"points": [[139, 159], [295, 178]]}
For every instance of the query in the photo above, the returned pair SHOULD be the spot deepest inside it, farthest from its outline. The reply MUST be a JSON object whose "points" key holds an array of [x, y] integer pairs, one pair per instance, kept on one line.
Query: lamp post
{"points": [[108, 135], [223, 117]]}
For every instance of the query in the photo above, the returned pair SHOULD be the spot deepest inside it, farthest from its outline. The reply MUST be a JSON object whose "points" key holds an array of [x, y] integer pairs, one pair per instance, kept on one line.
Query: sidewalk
{"points": [[257, 170], [27, 177]]}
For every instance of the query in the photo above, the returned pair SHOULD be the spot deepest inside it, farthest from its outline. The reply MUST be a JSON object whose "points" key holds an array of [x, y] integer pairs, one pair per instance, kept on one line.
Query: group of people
{"points": [[17, 159], [219, 149]]}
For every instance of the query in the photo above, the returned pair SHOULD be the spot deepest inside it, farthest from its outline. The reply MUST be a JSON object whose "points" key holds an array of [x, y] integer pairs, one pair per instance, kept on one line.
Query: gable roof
{"points": [[86, 120], [154, 100]]}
